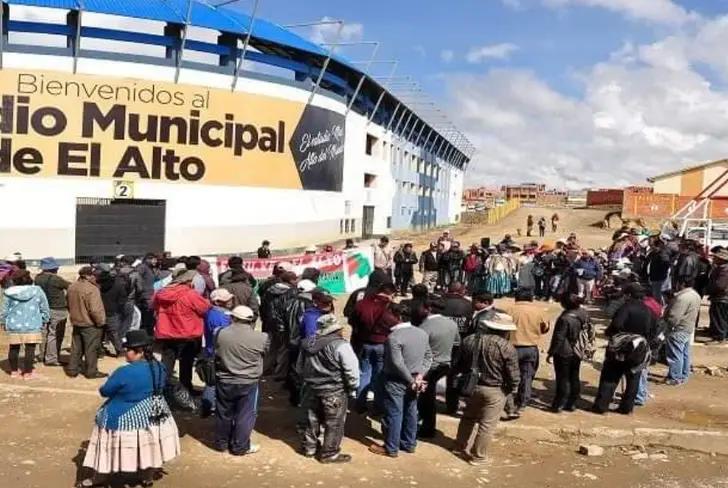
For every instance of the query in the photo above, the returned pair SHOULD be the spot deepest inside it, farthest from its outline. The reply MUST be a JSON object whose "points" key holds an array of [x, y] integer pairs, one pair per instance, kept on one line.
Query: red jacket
{"points": [[180, 312], [374, 319]]}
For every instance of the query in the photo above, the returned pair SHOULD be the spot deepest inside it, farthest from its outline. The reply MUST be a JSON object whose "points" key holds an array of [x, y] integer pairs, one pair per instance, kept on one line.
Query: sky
{"points": [[571, 93]]}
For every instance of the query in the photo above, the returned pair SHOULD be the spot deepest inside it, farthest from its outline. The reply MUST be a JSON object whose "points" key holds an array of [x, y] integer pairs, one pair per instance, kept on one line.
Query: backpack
{"points": [[585, 345]]}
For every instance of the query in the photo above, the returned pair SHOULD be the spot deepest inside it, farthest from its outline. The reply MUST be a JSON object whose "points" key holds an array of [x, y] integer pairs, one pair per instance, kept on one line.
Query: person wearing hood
{"points": [[24, 312], [203, 282], [235, 267], [279, 297], [88, 317], [496, 362], [54, 288], [239, 354], [114, 296], [180, 313], [238, 282], [329, 369]]}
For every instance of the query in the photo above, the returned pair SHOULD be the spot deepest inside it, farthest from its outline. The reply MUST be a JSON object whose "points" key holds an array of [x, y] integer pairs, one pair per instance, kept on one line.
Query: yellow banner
{"points": [[64, 125]]}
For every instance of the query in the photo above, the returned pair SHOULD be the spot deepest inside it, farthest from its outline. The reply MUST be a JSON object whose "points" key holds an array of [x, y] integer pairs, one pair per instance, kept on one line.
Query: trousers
{"points": [[719, 320], [528, 358], [54, 333], [483, 409], [399, 423], [14, 357], [186, 351], [235, 415], [677, 349], [322, 411], [85, 344], [612, 372], [427, 402], [371, 363], [429, 279], [568, 384]]}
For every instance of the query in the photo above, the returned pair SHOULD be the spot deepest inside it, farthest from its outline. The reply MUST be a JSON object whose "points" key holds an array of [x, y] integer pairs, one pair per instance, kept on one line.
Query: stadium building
{"points": [[136, 125]]}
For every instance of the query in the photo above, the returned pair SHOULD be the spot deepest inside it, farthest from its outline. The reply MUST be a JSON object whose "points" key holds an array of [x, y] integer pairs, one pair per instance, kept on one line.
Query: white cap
{"points": [[221, 295], [306, 285], [241, 312]]}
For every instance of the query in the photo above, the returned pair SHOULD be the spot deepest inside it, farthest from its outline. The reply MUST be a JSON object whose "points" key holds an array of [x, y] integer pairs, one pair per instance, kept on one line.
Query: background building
{"points": [[149, 130]]}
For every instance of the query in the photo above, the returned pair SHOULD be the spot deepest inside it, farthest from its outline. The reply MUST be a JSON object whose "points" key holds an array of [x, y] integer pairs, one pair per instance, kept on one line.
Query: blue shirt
{"points": [[215, 318], [129, 391], [308, 322]]}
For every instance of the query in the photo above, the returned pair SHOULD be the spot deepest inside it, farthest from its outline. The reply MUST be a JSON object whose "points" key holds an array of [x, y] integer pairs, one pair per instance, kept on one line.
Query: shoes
{"points": [[381, 451], [409, 450], [16, 374], [553, 409], [251, 450], [31, 376], [478, 461], [97, 376], [672, 382], [512, 416], [425, 435], [570, 408], [53, 365], [307, 454], [71, 375], [337, 459]]}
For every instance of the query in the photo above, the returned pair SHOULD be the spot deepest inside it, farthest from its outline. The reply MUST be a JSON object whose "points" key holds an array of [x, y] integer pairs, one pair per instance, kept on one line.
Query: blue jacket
{"points": [[24, 310], [308, 322], [129, 391], [590, 269], [215, 318]]}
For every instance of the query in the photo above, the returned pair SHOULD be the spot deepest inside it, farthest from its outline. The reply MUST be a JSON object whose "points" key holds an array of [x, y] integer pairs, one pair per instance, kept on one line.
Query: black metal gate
{"points": [[106, 228], [367, 226]]}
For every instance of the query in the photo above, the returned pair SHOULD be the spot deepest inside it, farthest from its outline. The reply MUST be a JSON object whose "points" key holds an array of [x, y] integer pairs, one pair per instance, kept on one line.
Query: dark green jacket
{"points": [[54, 288]]}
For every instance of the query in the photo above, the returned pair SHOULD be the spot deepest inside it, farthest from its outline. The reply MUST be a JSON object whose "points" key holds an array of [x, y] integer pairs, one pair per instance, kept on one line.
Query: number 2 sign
{"points": [[123, 189]]}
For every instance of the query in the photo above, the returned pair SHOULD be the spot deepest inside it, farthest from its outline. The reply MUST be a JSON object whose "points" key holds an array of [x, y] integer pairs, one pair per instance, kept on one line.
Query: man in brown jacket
{"points": [[87, 315]]}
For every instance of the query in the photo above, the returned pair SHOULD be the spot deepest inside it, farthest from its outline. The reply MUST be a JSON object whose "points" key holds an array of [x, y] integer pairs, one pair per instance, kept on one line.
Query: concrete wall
{"points": [[604, 197]]}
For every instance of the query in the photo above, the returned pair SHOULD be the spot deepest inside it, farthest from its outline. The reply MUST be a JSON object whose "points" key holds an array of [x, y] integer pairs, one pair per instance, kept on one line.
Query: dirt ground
{"points": [[46, 422]]}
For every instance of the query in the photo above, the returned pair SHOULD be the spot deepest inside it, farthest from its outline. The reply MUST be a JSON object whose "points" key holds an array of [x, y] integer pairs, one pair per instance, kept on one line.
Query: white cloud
{"points": [[492, 51], [644, 110], [657, 11], [447, 55], [420, 50], [327, 32]]}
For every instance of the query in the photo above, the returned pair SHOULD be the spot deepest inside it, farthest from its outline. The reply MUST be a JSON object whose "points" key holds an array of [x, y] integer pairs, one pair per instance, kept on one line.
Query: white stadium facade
{"points": [[129, 126]]}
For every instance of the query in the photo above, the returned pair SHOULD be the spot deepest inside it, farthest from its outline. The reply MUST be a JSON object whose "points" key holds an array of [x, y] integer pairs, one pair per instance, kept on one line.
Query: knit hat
{"points": [[328, 324]]}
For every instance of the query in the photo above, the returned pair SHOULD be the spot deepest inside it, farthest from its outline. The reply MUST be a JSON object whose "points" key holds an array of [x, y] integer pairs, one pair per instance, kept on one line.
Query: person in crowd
{"points": [[264, 250], [562, 352], [525, 265], [445, 241], [404, 267], [460, 310], [203, 283], [588, 271], [541, 271], [239, 353], [529, 225], [687, 266], [124, 270], [322, 304], [383, 258], [88, 316], [349, 245], [216, 318], [114, 295], [555, 223], [23, 313], [542, 227], [123, 440], [236, 270], [681, 317], [628, 351], [532, 323], [444, 337], [238, 282], [471, 267], [419, 293], [453, 260], [496, 361], [329, 370], [407, 359], [499, 269], [374, 321], [718, 293], [296, 310], [376, 278], [266, 298], [280, 296], [180, 324], [54, 288], [430, 267], [144, 290], [658, 269]]}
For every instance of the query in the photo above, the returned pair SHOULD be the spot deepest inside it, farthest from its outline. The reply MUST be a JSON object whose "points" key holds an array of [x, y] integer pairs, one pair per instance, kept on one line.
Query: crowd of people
{"points": [[447, 327]]}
